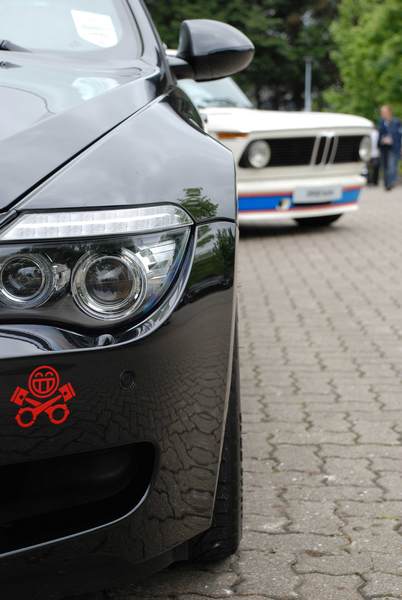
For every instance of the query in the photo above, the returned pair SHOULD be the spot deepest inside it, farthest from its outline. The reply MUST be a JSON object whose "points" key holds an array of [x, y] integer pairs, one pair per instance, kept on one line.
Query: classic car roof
{"points": [[248, 120]]}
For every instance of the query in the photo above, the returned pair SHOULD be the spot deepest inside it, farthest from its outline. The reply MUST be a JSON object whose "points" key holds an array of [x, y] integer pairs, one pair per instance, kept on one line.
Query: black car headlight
{"points": [[109, 286], [26, 280], [105, 264]]}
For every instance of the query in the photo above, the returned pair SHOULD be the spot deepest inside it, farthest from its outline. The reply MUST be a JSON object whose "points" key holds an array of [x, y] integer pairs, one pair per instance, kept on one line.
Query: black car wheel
{"points": [[223, 538], [318, 221]]}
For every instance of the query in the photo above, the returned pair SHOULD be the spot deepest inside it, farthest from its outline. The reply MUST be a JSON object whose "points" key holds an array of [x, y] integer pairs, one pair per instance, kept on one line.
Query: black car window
{"points": [[92, 27]]}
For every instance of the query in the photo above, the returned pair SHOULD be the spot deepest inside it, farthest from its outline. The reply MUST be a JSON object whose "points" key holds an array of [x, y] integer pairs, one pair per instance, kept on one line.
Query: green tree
{"points": [[368, 36], [284, 33]]}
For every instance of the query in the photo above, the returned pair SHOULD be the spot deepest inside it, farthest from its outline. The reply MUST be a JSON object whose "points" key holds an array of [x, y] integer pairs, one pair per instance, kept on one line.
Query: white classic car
{"points": [[301, 165]]}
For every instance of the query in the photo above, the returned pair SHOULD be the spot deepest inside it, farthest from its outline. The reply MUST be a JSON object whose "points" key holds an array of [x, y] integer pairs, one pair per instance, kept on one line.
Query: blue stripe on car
{"points": [[271, 202]]}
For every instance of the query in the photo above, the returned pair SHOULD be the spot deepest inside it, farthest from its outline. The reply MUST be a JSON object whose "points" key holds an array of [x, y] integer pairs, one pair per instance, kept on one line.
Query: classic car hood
{"points": [[248, 120], [51, 110]]}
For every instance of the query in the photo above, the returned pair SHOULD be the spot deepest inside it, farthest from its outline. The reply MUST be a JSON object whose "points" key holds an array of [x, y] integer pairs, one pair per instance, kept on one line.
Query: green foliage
{"points": [[284, 32], [368, 38]]}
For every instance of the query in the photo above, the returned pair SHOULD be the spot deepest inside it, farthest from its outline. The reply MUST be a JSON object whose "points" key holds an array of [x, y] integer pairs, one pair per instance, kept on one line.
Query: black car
{"points": [[120, 423]]}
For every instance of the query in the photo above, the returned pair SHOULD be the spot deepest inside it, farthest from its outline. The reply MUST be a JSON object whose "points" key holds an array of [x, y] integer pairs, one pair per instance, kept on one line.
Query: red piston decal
{"points": [[44, 395]]}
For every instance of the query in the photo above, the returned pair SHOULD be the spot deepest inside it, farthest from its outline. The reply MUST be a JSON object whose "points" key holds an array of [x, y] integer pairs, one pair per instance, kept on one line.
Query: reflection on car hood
{"points": [[248, 120], [32, 92], [51, 110]]}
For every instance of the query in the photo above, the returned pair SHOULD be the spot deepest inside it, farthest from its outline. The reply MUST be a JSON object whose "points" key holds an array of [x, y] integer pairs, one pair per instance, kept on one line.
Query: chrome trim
{"points": [[315, 150], [334, 150], [329, 137]]}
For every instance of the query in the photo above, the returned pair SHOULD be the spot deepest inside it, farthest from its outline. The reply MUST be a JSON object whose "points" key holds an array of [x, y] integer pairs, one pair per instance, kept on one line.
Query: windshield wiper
{"points": [[7, 46]]}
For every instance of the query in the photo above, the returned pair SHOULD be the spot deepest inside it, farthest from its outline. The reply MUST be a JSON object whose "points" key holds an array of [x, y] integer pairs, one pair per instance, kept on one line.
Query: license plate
{"points": [[317, 195]]}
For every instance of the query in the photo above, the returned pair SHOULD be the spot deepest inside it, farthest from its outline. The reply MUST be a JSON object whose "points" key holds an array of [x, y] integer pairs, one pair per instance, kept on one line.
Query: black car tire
{"points": [[222, 539], [318, 221]]}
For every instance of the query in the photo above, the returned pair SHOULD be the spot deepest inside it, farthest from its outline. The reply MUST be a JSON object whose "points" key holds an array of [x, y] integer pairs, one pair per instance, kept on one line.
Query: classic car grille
{"points": [[348, 149], [291, 151], [299, 151], [287, 152]]}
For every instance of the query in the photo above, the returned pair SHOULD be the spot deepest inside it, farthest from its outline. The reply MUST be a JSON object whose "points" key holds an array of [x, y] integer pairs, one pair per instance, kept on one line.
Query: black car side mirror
{"points": [[210, 50]]}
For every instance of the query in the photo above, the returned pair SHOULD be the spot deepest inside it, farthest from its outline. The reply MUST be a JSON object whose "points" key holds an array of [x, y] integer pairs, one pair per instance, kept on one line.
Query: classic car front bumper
{"points": [[265, 201], [129, 478]]}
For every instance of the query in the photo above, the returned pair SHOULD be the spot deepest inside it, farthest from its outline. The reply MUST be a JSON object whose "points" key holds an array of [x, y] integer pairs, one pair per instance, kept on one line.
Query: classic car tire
{"points": [[318, 221], [224, 535]]}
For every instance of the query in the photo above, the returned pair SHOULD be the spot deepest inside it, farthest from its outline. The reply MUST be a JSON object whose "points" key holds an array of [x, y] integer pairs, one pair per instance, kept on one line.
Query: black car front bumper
{"points": [[130, 477]]}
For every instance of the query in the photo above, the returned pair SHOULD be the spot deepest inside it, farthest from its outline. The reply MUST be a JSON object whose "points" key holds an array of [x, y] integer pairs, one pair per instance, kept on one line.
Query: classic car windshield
{"points": [[69, 26], [224, 92]]}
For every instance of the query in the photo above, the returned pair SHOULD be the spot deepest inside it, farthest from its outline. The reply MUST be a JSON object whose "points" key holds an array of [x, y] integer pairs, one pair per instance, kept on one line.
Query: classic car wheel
{"points": [[224, 535], [318, 221]]}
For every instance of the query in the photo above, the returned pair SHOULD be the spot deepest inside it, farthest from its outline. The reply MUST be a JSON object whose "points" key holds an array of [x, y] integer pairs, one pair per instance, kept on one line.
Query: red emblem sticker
{"points": [[44, 395]]}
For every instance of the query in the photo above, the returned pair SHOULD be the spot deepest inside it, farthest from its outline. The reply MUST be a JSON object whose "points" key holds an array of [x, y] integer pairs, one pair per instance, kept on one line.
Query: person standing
{"points": [[374, 163], [390, 134]]}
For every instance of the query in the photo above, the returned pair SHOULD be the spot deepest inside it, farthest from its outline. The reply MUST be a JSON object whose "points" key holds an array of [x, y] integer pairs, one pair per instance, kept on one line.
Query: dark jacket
{"points": [[394, 129]]}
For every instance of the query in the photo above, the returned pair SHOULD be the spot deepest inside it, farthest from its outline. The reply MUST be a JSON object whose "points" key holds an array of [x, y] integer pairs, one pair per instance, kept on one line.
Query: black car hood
{"points": [[51, 110]]}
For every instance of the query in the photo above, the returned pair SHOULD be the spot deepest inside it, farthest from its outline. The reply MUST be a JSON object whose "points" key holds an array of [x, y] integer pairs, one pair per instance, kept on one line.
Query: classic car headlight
{"points": [[259, 154], [365, 149], [106, 265]]}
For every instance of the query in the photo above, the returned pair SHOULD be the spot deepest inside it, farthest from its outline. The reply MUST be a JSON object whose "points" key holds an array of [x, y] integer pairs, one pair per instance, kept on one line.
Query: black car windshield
{"points": [[90, 27], [223, 92]]}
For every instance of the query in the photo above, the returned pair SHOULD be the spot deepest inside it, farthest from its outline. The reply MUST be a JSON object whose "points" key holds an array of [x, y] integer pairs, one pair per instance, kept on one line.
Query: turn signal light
{"points": [[231, 135]]}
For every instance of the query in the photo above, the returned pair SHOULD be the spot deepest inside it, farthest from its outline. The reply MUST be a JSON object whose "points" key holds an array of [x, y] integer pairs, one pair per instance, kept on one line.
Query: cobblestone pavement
{"points": [[321, 357]]}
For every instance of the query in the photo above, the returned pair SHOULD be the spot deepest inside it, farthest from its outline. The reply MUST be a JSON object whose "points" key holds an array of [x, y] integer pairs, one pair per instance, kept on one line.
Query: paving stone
{"points": [[372, 536], [380, 584], [346, 471], [376, 432], [369, 451], [343, 564], [330, 587], [266, 573], [392, 485], [320, 493], [290, 460], [384, 510], [192, 581], [313, 517], [228, 595], [284, 543]]}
